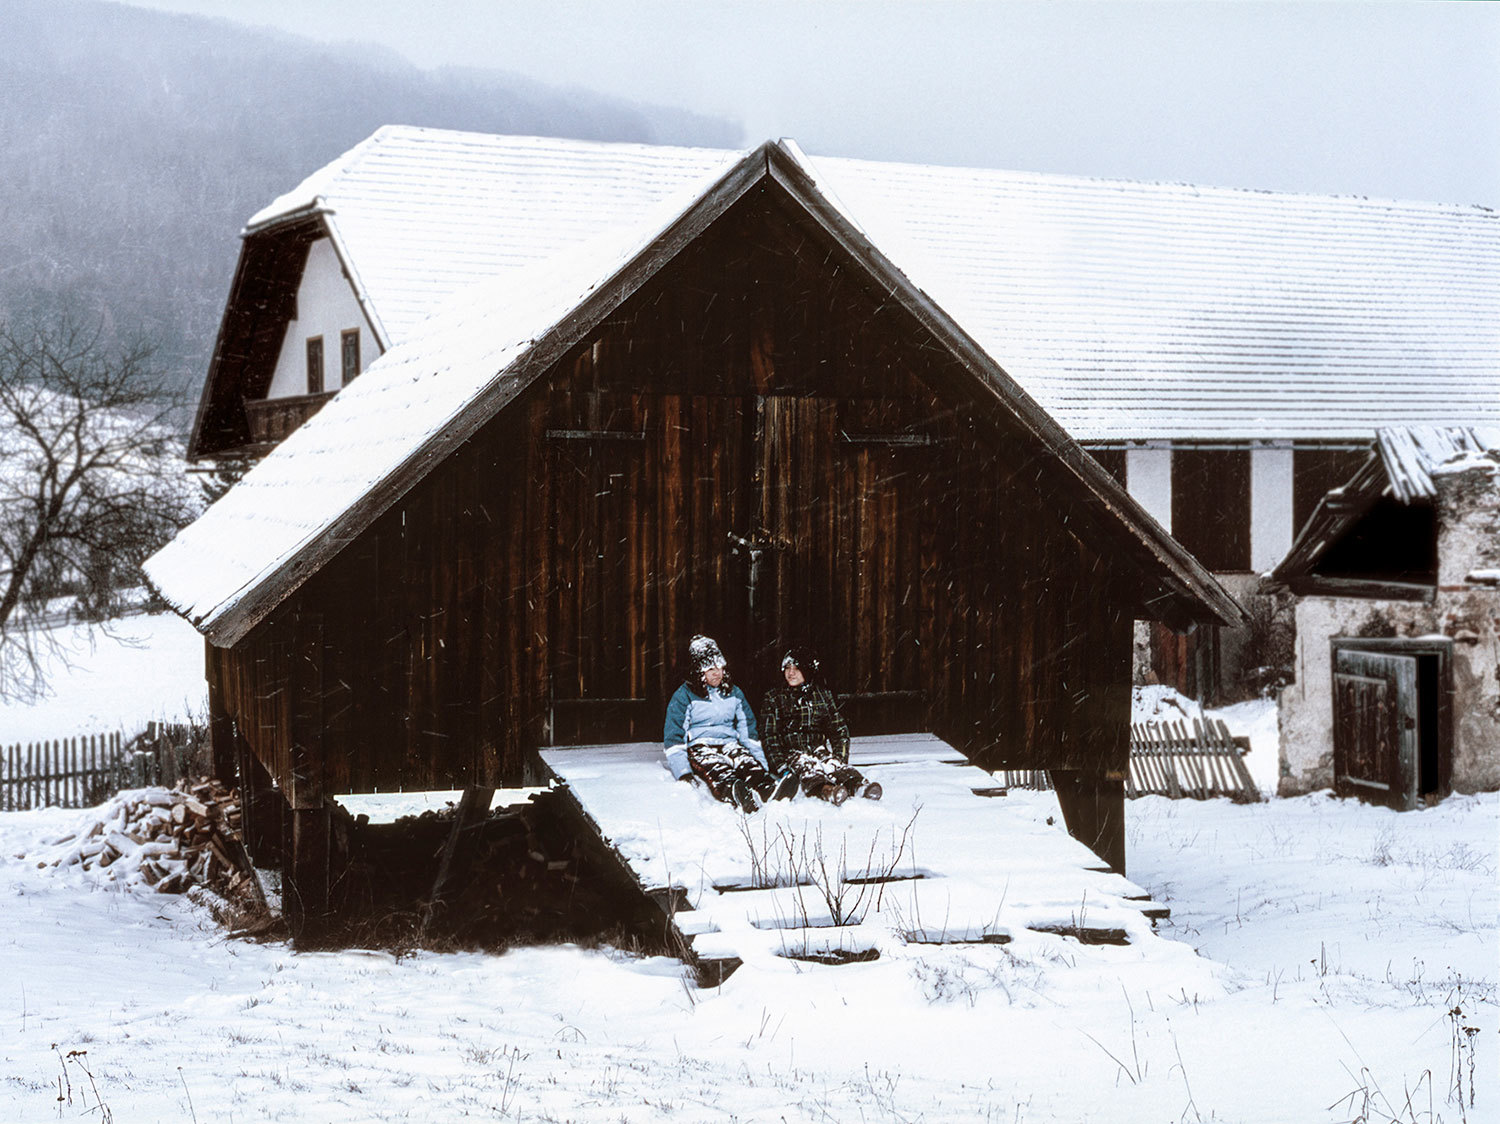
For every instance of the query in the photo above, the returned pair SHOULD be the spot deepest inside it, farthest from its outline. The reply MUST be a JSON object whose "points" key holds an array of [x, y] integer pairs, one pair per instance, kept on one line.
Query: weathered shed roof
{"points": [[1412, 455], [1127, 310], [378, 436], [1402, 462]]}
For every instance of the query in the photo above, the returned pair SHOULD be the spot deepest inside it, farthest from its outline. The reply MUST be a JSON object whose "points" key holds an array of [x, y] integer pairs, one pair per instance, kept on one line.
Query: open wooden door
{"points": [[1375, 727]]}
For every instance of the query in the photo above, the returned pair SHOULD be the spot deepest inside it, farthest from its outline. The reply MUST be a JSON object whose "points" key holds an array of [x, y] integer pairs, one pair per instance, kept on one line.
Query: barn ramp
{"points": [[947, 857]]}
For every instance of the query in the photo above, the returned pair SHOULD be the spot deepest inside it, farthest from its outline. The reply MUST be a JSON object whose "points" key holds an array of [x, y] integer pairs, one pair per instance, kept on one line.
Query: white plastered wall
{"points": [[326, 306], [1271, 527], [1148, 478]]}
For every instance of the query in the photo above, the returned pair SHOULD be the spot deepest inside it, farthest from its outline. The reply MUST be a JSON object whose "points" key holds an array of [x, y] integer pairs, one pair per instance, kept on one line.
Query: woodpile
{"points": [[167, 839]]}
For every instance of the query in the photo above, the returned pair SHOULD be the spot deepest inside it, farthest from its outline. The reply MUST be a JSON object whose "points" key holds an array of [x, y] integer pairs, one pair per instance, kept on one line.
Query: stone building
{"points": [[1397, 692]]}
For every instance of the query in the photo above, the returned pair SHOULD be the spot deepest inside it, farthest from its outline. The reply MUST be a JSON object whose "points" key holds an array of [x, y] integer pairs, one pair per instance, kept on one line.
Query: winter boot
{"points": [[786, 786], [837, 795], [872, 791], [741, 796]]}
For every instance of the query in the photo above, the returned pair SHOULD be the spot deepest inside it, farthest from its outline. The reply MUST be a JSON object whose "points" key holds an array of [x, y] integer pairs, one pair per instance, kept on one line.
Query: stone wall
{"points": [[1468, 612]]}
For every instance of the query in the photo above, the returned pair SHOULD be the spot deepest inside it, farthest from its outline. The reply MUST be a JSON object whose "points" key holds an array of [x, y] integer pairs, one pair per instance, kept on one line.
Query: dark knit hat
{"points": [[803, 658]]}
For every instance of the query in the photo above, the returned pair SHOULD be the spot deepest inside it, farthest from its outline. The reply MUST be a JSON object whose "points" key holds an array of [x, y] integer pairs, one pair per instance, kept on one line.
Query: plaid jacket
{"points": [[801, 720]]}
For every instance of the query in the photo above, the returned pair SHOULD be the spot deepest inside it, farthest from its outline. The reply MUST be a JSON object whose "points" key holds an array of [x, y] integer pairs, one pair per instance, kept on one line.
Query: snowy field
{"points": [[1332, 956], [1335, 941], [143, 669]]}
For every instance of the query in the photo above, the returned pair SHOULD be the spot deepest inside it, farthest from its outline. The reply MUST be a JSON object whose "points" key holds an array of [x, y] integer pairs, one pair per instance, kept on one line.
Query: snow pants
{"points": [[814, 770], [719, 765]]}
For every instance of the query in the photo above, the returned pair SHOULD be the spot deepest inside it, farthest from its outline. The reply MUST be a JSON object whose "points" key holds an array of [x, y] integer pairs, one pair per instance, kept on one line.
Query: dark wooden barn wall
{"points": [[538, 586]]}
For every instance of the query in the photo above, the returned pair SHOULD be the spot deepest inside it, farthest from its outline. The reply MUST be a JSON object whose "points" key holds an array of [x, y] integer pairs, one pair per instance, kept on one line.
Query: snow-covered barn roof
{"points": [[421, 214], [420, 400], [1127, 310]]}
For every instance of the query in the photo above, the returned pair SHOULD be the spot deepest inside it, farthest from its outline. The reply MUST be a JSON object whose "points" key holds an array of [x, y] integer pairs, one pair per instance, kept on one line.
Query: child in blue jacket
{"points": [[710, 734]]}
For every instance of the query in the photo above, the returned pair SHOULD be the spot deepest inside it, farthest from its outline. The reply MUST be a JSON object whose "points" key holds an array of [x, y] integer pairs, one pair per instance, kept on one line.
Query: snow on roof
{"points": [[1127, 310], [389, 416], [1136, 310], [1413, 455], [423, 214]]}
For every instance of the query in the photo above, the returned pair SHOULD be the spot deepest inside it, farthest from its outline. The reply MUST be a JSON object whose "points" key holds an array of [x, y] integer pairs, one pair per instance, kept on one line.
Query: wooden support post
{"points": [[472, 809], [261, 807], [1093, 806], [220, 725], [306, 873]]}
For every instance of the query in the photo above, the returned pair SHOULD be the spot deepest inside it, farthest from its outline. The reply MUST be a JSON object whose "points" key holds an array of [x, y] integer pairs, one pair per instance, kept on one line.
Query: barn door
{"points": [[1375, 727], [849, 506], [602, 519]]}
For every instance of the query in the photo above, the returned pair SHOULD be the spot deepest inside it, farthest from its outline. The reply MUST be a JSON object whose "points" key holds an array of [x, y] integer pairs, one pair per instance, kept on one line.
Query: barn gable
{"points": [[422, 400], [735, 415]]}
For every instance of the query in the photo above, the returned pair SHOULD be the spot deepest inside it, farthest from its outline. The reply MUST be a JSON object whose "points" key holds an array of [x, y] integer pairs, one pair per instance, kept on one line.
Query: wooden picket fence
{"points": [[1169, 759], [1024, 778], [82, 771]]}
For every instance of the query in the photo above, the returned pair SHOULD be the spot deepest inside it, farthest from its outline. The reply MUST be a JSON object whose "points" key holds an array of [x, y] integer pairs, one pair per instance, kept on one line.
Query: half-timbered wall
{"points": [[755, 446]]}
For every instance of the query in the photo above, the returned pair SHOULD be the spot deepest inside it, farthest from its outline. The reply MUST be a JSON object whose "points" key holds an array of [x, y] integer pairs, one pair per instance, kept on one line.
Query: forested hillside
{"points": [[134, 144]]}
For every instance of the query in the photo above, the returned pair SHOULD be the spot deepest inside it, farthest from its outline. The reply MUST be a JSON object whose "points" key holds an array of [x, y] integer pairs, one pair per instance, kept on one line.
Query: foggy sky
{"points": [[1398, 100]]}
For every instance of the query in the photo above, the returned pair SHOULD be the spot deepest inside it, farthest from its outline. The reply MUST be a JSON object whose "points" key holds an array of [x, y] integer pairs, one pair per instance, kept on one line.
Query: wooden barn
{"points": [[728, 411]]}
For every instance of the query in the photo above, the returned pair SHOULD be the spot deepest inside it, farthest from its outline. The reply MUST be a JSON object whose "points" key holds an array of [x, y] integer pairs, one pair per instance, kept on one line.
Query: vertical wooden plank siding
{"points": [[537, 587]]}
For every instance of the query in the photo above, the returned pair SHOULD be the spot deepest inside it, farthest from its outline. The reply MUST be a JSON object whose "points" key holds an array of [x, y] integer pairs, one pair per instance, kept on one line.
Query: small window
{"points": [[315, 365], [349, 347]]}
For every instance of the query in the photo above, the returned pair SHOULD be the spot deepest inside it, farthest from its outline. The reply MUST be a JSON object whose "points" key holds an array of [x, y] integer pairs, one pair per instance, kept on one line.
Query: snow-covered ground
{"points": [[1339, 951], [1336, 939], [141, 669]]}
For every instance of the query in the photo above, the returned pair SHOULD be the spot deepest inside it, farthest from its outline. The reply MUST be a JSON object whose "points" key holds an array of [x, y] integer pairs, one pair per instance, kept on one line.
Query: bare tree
{"points": [[91, 483]]}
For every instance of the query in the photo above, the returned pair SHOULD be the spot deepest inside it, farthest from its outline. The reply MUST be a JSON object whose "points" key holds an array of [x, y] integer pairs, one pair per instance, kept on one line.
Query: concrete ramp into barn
{"points": [[945, 858]]}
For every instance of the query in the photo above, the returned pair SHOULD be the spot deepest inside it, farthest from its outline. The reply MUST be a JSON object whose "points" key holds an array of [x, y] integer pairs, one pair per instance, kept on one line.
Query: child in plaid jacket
{"points": [[802, 730]]}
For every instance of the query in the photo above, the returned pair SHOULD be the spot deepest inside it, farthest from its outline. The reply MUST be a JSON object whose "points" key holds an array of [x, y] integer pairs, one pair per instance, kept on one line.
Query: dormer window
{"points": [[315, 364], [349, 351]]}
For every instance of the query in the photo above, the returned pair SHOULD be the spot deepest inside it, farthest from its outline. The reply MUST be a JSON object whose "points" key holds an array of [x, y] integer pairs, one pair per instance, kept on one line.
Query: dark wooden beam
{"points": [[1367, 588], [1093, 807], [220, 724]]}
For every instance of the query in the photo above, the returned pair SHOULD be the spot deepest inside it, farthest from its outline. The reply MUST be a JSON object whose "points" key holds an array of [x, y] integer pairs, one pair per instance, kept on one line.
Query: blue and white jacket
{"points": [[720, 717]]}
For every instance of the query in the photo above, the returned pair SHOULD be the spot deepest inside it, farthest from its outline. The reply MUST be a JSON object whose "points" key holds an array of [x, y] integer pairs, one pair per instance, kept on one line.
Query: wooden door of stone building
{"points": [[1374, 727], [1392, 719]]}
